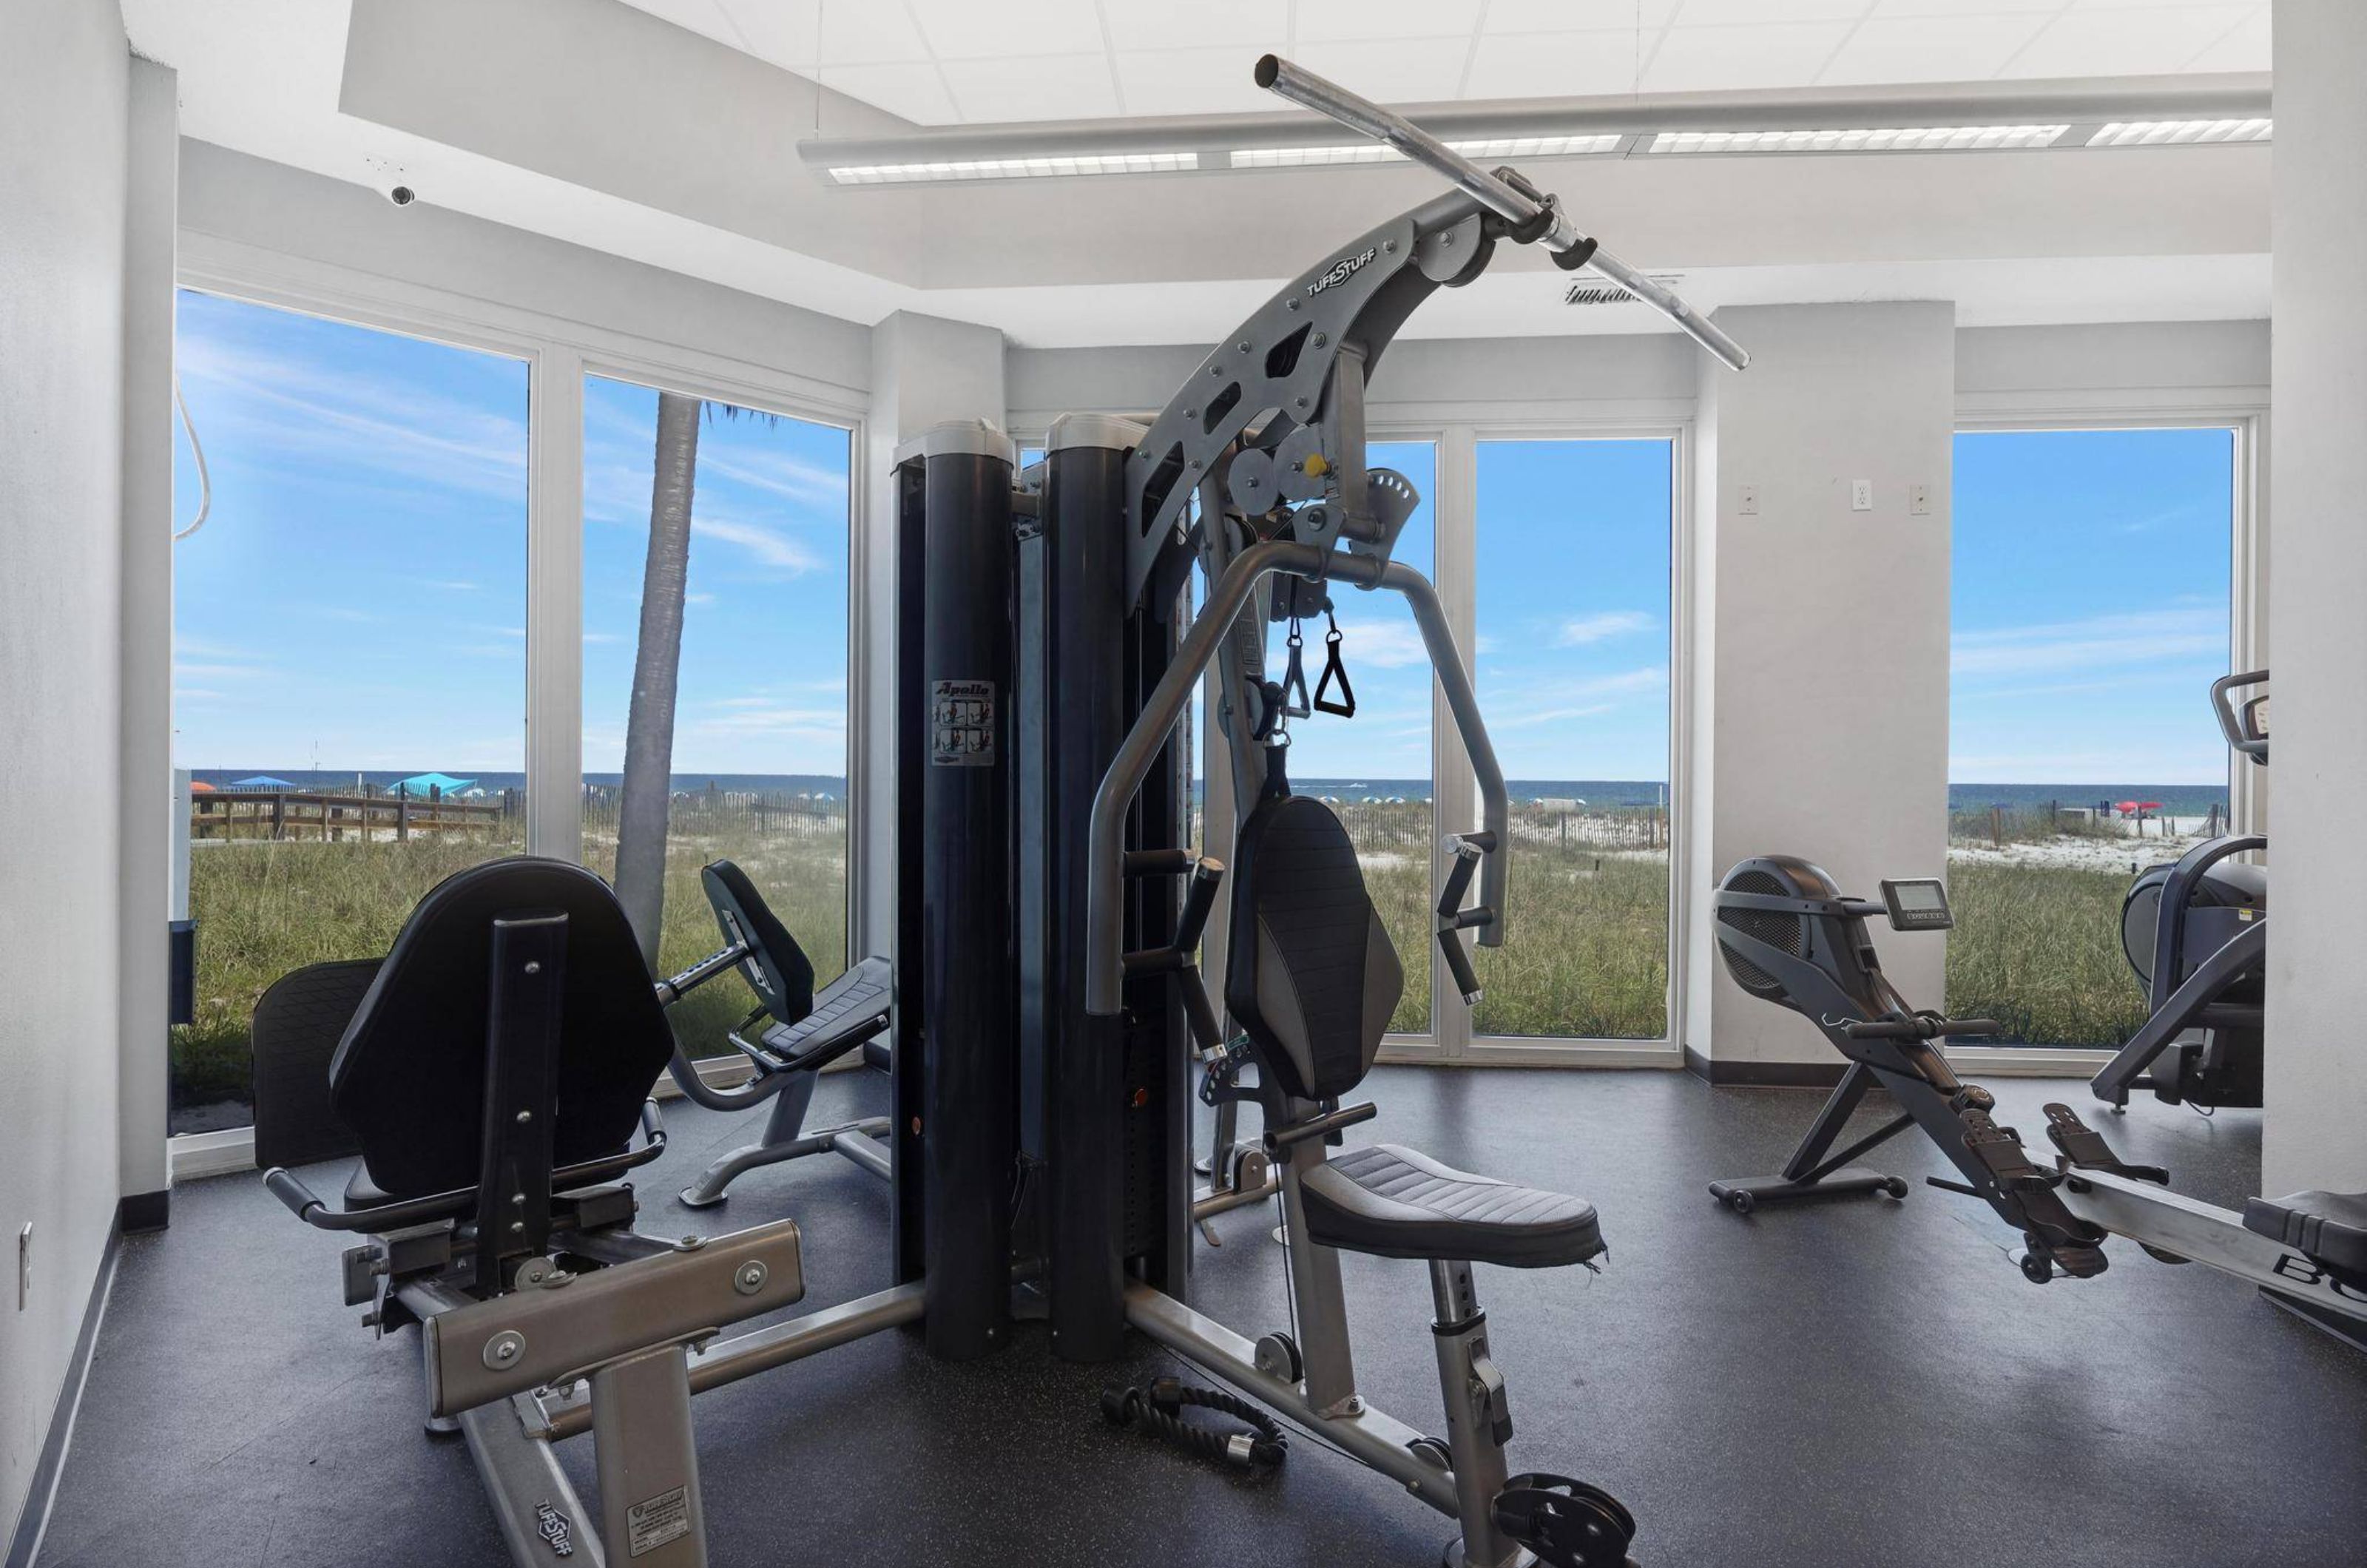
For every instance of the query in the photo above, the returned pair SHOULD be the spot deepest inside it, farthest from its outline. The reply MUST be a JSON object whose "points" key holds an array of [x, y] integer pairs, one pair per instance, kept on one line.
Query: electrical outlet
{"points": [[24, 1266], [1919, 500], [1748, 501], [1861, 495]]}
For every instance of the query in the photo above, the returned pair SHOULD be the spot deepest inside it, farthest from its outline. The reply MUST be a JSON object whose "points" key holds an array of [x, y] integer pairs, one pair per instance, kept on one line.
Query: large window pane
{"points": [[758, 761], [1573, 599], [1377, 766], [2090, 603], [349, 668]]}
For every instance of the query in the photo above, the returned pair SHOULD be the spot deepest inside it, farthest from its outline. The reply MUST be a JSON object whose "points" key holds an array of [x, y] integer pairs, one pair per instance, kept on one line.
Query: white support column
{"points": [[924, 370], [554, 606], [146, 796], [1820, 717], [1454, 509], [2316, 1089]]}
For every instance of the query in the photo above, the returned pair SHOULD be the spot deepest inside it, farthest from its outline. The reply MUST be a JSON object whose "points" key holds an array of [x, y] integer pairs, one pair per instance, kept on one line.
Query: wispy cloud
{"points": [[1384, 645], [306, 411], [1557, 702], [2098, 642], [1602, 628], [770, 547]]}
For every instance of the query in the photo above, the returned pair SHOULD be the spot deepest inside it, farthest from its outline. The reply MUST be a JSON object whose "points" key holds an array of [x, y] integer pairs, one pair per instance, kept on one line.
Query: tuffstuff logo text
{"points": [[1341, 271]]}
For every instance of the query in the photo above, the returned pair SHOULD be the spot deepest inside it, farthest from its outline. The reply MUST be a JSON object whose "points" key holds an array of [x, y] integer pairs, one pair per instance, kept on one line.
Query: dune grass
{"points": [[2038, 948], [263, 908]]}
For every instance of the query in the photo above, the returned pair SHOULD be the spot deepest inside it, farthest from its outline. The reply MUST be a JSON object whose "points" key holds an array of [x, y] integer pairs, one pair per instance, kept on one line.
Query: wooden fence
{"points": [[302, 814]]}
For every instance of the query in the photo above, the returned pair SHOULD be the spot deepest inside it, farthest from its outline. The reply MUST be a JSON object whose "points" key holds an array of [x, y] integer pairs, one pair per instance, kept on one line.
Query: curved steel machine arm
{"points": [[1105, 866], [1500, 196]]}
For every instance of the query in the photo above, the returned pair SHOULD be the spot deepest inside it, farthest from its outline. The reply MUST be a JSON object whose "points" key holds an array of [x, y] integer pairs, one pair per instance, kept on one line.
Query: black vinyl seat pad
{"points": [[1394, 1202], [1312, 977], [2329, 1226], [847, 1011]]}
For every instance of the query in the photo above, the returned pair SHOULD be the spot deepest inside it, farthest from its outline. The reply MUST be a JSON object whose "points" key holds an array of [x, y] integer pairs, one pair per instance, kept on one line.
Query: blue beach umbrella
{"points": [[261, 781], [422, 785]]}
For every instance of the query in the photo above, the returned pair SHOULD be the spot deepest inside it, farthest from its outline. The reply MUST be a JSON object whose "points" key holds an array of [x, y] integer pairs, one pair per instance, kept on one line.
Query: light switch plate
{"points": [[1919, 500], [1747, 502]]}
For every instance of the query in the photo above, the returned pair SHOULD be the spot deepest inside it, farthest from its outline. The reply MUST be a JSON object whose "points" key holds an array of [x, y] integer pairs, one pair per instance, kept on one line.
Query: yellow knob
{"points": [[1315, 467]]}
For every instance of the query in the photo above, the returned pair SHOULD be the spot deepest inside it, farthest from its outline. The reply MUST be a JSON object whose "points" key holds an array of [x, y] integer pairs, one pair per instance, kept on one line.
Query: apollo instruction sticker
{"points": [[661, 1518], [962, 724]]}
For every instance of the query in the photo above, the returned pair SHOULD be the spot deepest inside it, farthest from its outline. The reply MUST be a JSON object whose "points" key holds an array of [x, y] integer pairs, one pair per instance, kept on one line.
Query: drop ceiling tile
{"points": [[1723, 13], [1886, 8], [2131, 41], [702, 17], [1007, 29], [1140, 25], [1577, 15], [1392, 70], [913, 89], [786, 32], [1704, 59], [1192, 80], [2245, 49], [1935, 48], [1365, 20], [1553, 65], [1058, 87]]}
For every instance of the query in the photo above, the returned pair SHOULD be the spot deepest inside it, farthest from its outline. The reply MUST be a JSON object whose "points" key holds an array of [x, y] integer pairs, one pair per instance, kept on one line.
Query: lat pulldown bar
{"points": [[1570, 246]]}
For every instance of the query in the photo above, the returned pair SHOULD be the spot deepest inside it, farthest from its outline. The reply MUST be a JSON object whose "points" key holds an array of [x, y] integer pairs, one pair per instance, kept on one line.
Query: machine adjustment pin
{"points": [[504, 1349], [525, 1116], [752, 1277], [534, 967]]}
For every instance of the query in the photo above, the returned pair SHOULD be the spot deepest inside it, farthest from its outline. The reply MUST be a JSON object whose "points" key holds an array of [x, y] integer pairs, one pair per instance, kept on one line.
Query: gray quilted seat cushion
{"points": [[1393, 1203]]}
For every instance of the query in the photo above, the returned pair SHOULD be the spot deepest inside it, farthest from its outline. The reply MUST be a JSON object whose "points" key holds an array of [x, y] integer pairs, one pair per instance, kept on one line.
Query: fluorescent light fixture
{"points": [[1585, 145], [2181, 132], [1015, 168], [1937, 139]]}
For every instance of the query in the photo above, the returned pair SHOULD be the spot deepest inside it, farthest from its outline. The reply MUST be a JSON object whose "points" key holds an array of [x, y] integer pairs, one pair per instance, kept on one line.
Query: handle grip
{"points": [[1458, 964]]}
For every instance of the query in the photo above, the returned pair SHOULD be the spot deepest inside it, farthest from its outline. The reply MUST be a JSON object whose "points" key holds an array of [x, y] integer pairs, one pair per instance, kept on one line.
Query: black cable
{"points": [[1158, 1406]]}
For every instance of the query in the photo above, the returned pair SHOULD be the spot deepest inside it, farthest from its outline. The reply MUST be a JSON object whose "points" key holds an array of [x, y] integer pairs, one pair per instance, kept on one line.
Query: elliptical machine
{"points": [[2196, 932]]}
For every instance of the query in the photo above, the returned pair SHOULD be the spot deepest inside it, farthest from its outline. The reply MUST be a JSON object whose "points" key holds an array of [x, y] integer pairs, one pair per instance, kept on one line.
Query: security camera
{"points": [[391, 179]]}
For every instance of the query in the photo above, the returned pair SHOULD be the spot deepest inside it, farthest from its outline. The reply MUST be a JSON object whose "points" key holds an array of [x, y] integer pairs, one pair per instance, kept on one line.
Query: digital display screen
{"points": [[1920, 905], [1920, 895]]}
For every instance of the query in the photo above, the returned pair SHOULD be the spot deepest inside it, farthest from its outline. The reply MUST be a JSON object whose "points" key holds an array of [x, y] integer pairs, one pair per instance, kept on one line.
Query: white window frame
{"points": [[558, 352], [2246, 415]]}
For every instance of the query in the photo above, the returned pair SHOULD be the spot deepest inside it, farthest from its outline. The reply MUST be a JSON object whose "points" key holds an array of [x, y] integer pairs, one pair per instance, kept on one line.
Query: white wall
{"points": [[924, 370], [1823, 637], [268, 220], [144, 812], [64, 107], [2318, 990]]}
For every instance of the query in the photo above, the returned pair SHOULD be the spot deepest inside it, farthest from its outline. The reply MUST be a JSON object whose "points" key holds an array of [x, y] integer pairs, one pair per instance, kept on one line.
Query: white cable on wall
{"points": [[205, 483]]}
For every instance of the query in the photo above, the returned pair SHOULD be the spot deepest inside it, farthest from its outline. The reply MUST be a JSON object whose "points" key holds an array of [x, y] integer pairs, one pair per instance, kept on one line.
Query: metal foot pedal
{"points": [[2085, 1149], [1565, 1523]]}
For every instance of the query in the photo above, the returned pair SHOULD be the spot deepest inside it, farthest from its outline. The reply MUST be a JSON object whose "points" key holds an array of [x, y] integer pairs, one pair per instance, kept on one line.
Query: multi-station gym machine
{"points": [[1048, 1018]]}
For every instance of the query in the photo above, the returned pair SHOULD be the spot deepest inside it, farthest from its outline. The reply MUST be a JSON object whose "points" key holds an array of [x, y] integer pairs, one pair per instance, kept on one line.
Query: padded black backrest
{"points": [[1310, 975], [780, 975], [408, 1077], [298, 1025]]}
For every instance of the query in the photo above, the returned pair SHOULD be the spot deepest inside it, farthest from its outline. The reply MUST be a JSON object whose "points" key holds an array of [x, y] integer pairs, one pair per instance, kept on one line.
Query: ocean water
{"points": [[2182, 800]]}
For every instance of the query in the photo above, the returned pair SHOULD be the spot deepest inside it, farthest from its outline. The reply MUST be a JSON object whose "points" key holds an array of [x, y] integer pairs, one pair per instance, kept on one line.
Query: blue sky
{"points": [[358, 598], [2090, 605], [764, 640]]}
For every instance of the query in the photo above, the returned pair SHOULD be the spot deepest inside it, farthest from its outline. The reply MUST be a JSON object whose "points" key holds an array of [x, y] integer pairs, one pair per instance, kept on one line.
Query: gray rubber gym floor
{"points": [[1859, 1383]]}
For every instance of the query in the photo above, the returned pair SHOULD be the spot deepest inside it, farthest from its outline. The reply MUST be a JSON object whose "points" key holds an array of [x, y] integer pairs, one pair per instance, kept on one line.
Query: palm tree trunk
{"points": [[648, 725]]}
